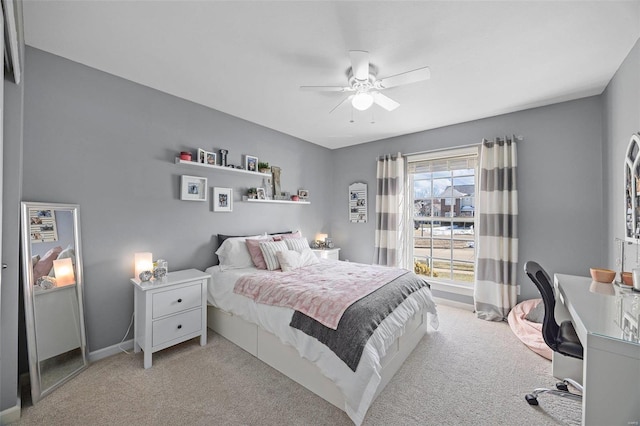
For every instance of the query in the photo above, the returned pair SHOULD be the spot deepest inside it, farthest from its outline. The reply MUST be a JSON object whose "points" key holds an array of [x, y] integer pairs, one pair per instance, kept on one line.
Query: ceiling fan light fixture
{"points": [[362, 101]]}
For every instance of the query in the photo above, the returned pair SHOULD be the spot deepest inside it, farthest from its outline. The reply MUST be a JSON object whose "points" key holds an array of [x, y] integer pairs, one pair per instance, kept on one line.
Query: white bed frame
{"points": [[284, 358]]}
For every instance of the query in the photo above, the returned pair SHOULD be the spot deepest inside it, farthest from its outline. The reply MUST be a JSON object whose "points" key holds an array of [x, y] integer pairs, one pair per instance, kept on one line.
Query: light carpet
{"points": [[469, 372]]}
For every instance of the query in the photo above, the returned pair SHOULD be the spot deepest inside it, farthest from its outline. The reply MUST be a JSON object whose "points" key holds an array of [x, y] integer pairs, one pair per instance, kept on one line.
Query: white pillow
{"points": [[297, 244], [292, 259], [234, 254], [269, 250]]}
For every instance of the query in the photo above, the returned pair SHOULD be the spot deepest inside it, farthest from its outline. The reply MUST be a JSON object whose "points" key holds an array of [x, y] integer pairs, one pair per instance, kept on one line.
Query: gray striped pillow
{"points": [[297, 244], [269, 250]]}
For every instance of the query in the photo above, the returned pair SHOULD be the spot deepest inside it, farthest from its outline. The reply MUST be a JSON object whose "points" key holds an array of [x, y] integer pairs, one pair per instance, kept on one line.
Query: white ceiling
{"points": [[248, 59]]}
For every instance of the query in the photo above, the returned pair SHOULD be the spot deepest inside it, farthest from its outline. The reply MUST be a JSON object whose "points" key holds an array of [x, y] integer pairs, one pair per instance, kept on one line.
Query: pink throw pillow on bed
{"points": [[44, 265], [256, 254], [280, 237]]}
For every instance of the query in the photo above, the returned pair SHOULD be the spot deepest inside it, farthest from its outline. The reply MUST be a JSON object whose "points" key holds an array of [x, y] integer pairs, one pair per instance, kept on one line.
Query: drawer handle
{"points": [[179, 300], [179, 326]]}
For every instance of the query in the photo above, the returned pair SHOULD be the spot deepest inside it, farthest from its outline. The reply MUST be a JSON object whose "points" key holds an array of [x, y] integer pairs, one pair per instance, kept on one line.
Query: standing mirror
{"points": [[52, 280]]}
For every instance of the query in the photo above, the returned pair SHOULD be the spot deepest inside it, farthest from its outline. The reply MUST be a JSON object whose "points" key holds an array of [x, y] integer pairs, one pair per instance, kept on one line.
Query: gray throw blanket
{"points": [[360, 320]]}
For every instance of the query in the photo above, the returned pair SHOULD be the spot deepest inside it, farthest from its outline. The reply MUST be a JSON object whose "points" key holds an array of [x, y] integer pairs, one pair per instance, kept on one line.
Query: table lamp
{"points": [[63, 269], [143, 262]]}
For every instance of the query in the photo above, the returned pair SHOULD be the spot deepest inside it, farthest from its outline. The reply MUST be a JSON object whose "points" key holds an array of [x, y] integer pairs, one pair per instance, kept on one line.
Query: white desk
{"points": [[611, 365]]}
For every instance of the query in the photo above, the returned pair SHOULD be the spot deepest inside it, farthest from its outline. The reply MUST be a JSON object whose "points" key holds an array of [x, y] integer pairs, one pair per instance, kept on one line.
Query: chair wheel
{"points": [[532, 400], [562, 386]]}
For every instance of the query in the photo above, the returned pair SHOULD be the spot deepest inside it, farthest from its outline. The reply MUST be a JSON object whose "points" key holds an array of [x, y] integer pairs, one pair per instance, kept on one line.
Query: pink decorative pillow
{"points": [[280, 237], [44, 265], [256, 254]]}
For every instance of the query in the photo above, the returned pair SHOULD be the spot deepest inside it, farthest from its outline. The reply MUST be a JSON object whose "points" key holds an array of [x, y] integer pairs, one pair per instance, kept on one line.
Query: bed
{"points": [[267, 331]]}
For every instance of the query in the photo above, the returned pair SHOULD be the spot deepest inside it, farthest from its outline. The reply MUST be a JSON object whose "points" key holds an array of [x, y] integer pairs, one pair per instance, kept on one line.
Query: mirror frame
{"points": [[37, 392]]}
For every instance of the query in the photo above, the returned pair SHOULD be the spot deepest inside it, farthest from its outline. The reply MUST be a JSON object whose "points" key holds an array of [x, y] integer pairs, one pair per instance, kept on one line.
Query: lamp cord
{"points": [[126, 334]]}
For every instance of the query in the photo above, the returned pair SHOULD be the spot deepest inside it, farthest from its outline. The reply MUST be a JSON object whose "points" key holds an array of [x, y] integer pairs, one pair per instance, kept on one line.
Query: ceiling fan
{"points": [[363, 81]]}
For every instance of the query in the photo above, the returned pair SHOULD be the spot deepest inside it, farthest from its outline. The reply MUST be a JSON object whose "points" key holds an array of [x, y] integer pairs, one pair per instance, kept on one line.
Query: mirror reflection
{"points": [[52, 266]]}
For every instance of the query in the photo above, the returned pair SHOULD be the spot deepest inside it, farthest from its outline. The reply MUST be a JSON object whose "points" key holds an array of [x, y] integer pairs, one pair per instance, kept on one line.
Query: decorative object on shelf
{"points": [[160, 269], [303, 194], [268, 188], [251, 163], [632, 189], [210, 158], [202, 156], [275, 172], [231, 166], [240, 167], [185, 155], [358, 202], [260, 193], [295, 198], [142, 262], [328, 243], [222, 199], [263, 167], [252, 193], [63, 270], [223, 157], [145, 276], [46, 282], [193, 188]]}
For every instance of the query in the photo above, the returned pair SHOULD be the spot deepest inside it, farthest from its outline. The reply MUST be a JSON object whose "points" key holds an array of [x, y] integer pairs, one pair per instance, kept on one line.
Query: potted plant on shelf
{"points": [[252, 193], [263, 167]]}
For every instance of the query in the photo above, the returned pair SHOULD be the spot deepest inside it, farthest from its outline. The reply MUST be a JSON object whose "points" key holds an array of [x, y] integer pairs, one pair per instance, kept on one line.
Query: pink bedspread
{"points": [[322, 291]]}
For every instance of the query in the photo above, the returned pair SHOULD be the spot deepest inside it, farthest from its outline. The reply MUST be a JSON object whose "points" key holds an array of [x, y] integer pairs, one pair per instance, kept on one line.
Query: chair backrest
{"points": [[541, 279]]}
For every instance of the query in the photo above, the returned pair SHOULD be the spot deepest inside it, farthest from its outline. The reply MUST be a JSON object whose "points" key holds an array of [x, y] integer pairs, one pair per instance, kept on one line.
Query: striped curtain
{"points": [[496, 290], [391, 226]]}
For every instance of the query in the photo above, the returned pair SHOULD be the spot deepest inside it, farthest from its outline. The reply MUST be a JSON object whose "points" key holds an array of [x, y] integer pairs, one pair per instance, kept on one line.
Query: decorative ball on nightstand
{"points": [[145, 276]]}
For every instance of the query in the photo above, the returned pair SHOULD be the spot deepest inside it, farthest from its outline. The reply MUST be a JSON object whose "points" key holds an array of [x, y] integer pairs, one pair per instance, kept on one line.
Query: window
{"points": [[443, 193]]}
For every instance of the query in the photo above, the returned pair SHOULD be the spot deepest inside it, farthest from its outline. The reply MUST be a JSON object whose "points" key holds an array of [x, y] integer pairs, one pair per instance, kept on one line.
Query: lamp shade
{"points": [[63, 268], [321, 237], [143, 262], [362, 101]]}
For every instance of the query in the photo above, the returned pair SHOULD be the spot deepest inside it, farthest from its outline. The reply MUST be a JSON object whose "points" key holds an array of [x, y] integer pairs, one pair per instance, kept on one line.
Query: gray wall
{"points": [[109, 145], [11, 196], [559, 182], [621, 102]]}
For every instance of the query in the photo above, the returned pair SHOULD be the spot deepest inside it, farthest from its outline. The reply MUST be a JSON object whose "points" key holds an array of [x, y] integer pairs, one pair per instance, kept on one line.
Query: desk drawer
{"points": [[176, 326], [177, 300]]}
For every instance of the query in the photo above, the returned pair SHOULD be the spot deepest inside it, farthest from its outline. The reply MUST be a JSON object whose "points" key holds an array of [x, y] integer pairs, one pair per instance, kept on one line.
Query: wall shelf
{"points": [[221, 168], [253, 200]]}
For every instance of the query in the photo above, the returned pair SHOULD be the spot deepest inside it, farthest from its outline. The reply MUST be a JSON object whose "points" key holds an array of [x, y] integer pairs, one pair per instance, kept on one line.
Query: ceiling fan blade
{"points": [[384, 101], [408, 77], [348, 98], [359, 64], [325, 88]]}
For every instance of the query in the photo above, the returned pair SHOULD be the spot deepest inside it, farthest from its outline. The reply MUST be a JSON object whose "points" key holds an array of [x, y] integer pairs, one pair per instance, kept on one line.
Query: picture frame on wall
{"points": [[250, 163], [222, 199], [193, 188]]}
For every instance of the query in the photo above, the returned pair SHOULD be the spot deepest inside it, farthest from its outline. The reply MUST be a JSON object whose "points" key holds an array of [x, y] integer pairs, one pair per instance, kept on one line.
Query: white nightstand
{"points": [[170, 311], [332, 253]]}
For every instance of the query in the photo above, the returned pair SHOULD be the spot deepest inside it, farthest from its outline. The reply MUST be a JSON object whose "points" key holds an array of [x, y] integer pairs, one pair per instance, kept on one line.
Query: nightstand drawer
{"points": [[177, 300], [176, 326]]}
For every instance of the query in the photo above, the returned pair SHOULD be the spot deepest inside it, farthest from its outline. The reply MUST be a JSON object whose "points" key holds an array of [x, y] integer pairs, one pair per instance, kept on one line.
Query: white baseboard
{"points": [[111, 350], [454, 304], [11, 414]]}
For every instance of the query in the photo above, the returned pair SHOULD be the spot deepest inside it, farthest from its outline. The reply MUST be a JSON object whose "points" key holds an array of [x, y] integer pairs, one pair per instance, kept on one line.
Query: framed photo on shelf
{"points": [[210, 158], [193, 188], [262, 195], [303, 194], [222, 199], [251, 163], [202, 156]]}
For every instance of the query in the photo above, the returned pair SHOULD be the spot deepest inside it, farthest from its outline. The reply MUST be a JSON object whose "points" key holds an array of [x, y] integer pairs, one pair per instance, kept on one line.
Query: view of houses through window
{"points": [[444, 202]]}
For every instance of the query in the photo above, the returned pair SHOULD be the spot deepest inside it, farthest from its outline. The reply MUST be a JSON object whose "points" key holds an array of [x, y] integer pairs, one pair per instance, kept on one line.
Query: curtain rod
{"points": [[519, 138]]}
